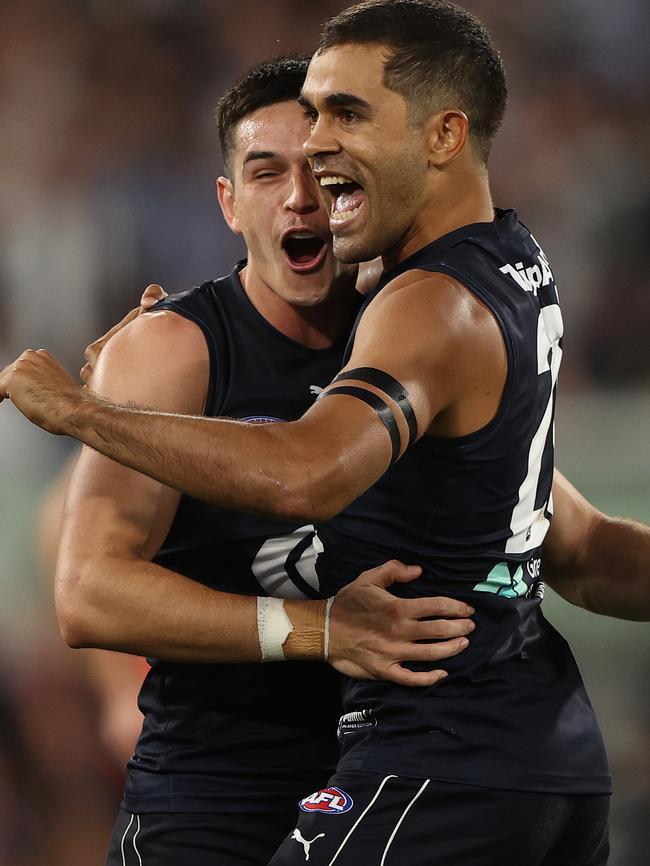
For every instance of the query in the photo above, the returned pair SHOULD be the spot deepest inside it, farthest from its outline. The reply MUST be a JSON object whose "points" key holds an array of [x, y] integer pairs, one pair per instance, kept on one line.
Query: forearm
{"points": [[305, 470], [610, 573], [138, 607], [226, 463]]}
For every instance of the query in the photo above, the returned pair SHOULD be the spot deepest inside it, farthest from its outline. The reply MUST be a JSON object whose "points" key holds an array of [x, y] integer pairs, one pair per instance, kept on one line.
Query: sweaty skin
{"points": [[312, 468], [107, 584]]}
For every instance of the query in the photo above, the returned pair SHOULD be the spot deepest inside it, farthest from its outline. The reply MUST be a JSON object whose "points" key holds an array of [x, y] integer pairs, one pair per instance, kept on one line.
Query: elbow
{"points": [[75, 611], [72, 633], [72, 627], [309, 497]]}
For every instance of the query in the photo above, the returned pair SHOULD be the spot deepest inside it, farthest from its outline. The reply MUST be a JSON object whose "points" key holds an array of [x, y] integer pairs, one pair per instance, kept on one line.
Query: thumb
{"points": [[390, 572], [151, 295]]}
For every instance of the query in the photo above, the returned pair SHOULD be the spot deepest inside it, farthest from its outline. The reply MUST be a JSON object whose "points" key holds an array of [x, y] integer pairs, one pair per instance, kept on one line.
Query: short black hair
{"points": [[277, 80], [440, 55]]}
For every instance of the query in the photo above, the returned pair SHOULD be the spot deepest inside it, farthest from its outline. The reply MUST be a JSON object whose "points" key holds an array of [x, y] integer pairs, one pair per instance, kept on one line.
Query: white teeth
{"points": [[341, 216], [302, 236], [330, 180]]}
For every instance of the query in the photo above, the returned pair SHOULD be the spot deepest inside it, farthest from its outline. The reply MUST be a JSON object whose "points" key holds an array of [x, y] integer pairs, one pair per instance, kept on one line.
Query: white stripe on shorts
{"points": [[123, 838], [397, 826], [359, 819], [135, 847]]}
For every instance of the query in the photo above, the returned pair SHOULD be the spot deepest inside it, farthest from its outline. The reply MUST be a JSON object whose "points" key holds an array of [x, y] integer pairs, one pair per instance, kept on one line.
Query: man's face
{"points": [[360, 134], [275, 204]]}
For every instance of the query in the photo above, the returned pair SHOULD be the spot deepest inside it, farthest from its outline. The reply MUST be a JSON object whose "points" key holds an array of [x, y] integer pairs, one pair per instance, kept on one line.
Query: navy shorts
{"points": [[364, 819], [196, 839]]}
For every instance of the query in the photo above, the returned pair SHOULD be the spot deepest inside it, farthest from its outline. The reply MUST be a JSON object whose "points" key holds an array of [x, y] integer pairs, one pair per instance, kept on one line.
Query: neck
{"points": [[316, 326], [453, 206]]}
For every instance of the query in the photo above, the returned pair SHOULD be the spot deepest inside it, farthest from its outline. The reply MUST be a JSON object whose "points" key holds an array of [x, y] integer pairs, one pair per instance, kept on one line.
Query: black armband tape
{"points": [[389, 385], [383, 410]]}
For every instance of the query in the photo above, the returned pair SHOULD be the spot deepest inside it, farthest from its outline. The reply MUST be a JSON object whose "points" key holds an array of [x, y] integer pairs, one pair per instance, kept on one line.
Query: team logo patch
{"points": [[327, 801], [260, 419]]}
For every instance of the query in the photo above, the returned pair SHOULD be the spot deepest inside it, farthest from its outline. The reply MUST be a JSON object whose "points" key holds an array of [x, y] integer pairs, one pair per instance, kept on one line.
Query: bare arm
{"points": [[115, 678], [110, 595], [314, 467], [597, 562], [108, 592]]}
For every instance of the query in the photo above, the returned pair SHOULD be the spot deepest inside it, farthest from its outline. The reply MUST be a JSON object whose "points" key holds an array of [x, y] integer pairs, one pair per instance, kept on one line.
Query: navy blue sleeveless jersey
{"points": [[473, 511], [238, 737]]}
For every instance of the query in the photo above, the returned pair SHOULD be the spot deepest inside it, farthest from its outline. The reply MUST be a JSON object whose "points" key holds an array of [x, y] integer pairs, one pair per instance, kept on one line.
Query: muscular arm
{"points": [[110, 595], [426, 331], [598, 562]]}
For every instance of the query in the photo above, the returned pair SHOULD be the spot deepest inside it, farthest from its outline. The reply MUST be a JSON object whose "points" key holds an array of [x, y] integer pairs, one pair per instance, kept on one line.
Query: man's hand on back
{"points": [[372, 631]]}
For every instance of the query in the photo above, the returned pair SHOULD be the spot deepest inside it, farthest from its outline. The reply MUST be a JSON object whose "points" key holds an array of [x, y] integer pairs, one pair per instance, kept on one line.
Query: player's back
{"points": [[473, 512]]}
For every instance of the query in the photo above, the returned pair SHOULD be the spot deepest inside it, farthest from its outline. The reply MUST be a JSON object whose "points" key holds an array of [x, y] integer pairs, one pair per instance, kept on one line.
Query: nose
{"points": [[303, 193], [320, 141]]}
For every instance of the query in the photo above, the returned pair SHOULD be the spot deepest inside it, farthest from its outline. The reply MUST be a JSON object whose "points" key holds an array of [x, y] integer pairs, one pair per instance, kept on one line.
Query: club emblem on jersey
{"points": [[260, 419], [501, 582], [327, 801], [306, 843]]}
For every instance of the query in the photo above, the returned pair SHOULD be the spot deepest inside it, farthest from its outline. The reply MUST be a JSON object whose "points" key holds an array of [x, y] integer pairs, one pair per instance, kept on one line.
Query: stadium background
{"points": [[108, 154]]}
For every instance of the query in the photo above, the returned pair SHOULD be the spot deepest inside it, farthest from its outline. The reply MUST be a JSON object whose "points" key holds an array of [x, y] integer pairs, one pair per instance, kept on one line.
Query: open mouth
{"points": [[304, 250], [348, 197]]}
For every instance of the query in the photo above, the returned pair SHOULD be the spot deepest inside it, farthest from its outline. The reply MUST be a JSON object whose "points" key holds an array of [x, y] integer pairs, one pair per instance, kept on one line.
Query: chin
{"points": [[305, 297], [353, 250]]}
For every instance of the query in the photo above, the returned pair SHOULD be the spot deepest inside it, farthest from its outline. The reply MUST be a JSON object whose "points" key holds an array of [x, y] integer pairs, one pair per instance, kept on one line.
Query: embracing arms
{"points": [[311, 468], [316, 466], [110, 595]]}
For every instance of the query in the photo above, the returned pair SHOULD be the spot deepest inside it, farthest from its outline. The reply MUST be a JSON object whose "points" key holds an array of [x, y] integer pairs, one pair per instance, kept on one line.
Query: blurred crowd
{"points": [[108, 155]]}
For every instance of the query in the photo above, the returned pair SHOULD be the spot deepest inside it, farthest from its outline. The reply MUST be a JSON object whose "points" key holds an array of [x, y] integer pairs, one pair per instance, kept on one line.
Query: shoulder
{"points": [[419, 300], [160, 358], [162, 331]]}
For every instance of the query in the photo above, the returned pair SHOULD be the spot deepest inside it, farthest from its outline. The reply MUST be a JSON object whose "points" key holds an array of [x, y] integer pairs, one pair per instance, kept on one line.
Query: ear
{"points": [[447, 133], [226, 196]]}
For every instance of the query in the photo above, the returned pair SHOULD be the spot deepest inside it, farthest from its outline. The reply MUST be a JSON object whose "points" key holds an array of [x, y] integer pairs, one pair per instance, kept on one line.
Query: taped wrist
{"points": [[273, 628], [326, 629]]}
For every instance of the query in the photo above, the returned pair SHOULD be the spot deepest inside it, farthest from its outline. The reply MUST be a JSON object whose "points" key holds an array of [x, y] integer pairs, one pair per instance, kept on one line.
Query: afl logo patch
{"points": [[328, 801]]}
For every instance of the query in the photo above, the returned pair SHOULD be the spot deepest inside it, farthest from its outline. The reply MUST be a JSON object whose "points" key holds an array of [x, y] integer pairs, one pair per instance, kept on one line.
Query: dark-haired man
{"points": [[435, 443], [226, 750]]}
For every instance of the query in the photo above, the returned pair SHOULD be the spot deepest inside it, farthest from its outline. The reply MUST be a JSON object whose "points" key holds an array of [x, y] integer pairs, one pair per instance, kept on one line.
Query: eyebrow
{"points": [[259, 154], [340, 100]]}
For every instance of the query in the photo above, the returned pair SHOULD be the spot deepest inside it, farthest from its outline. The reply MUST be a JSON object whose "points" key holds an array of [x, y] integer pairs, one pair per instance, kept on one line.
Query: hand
{"points": [[150, 297], [41, 389], [368, 275], [372, 631]]}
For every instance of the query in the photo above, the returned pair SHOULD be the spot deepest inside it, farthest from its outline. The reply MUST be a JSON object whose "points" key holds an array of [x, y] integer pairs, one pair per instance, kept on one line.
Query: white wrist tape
{"points": [[273, 628], [326, 628]]}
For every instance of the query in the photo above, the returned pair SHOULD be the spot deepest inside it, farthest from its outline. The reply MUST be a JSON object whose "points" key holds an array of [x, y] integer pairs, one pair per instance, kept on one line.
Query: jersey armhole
{"points": [[483, 434]]}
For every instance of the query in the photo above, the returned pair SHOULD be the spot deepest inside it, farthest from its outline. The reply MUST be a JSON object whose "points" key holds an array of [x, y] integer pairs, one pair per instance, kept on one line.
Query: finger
{"points": [[417, 608], [390, 572], [423, 679], [94, 350], [433, 652], [440, 629], [151, 295], [85, 373]]}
